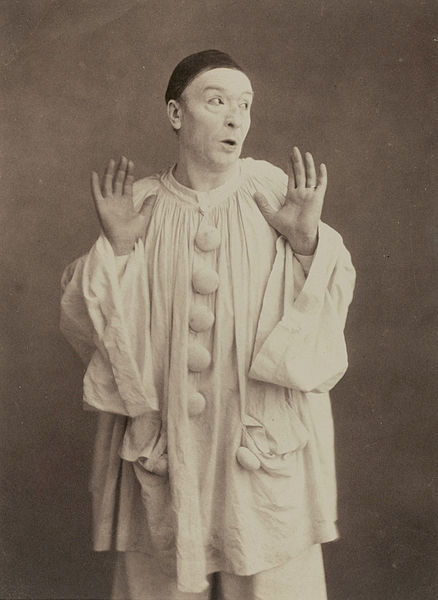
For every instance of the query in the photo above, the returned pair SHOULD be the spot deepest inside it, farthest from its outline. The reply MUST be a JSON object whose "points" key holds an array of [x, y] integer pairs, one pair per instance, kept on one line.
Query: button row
{"points": [[205, 281]]}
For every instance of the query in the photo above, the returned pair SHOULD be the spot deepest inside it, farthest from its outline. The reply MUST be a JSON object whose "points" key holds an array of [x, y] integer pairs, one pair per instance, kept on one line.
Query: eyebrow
{"points": [[221, 89]]}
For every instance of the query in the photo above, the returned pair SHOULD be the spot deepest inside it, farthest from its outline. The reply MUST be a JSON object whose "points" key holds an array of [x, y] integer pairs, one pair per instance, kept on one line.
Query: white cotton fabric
{"points": [[276, 347], [139, 577]]}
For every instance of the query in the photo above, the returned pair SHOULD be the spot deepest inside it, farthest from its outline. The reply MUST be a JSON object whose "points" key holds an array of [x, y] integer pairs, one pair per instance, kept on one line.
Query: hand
{"points": [[298, 218], [120, 222]]}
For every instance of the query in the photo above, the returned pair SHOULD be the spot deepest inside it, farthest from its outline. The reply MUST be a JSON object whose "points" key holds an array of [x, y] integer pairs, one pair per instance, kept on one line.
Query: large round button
{"points": [[247, 459], [199, 358], [200, 318], [196, 404], [208, 238], [205, 280]]}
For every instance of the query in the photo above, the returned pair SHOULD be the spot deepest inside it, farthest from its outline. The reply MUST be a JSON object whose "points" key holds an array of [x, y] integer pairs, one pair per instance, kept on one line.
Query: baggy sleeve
{"points": [[304, 347], [105, 315]]}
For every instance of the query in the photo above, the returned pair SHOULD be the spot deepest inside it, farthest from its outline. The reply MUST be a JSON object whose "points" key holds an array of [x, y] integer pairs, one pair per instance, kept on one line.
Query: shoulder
{"points": [[145, 187], [262, 176], [263, 169]]}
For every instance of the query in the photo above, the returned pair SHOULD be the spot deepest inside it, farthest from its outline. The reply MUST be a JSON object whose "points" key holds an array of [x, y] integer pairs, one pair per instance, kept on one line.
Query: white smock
{"points": [[210, 352]]}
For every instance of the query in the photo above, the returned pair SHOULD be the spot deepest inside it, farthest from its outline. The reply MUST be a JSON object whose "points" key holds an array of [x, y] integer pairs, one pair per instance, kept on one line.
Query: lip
{"points": [[230, 144]]}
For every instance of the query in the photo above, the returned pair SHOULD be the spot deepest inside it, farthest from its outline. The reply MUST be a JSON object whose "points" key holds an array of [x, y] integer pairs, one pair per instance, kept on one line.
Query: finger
{"points": [[310, 171], [291, 183], [108, 178], [95, 187], [322, 176], [120, 175], [129, 181], [298, 167], [265, 208]]}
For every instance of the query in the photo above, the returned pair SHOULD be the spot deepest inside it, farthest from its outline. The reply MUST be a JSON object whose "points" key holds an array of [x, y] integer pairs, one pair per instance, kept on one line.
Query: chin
{"points": [[222, 163]]}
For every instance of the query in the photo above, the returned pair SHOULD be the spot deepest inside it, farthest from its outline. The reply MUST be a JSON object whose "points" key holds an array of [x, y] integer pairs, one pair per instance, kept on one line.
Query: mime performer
{"points": [[210, 316]]}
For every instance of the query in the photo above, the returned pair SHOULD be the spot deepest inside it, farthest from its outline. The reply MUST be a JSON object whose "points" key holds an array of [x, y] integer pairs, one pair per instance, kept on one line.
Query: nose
{"points": [[234, 117]]}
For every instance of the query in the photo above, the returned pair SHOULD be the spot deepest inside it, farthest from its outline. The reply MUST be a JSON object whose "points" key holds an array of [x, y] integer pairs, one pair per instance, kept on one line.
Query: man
{"points": [[210, 313]]}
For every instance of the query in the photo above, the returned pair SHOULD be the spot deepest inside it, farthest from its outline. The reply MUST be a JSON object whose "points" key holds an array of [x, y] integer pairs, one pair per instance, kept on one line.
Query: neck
{"points": [[200, 178]]}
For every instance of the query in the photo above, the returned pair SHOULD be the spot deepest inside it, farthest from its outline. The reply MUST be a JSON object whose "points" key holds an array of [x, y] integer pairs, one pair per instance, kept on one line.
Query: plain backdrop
{"points": [[355, 82]]}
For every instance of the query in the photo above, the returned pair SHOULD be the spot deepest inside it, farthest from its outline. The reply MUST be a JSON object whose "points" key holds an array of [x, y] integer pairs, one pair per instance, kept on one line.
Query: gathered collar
{"points": [[202, 199]]}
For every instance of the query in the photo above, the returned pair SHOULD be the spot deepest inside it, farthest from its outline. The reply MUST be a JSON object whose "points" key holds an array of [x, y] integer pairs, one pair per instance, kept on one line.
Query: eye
{"points": [[216, 101], [244, 105]]}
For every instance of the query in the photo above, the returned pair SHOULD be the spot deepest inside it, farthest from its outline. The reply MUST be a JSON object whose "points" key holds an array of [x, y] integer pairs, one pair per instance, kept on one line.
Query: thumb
{"points": [[265, 208]]}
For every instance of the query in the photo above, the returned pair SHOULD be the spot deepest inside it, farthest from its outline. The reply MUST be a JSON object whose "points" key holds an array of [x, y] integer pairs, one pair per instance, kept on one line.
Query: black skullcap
{"points": [[192, 65]]}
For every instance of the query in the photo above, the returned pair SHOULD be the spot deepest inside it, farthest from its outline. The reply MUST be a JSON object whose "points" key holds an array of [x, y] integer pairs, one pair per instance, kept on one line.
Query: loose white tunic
{"points": [[210, 353]]}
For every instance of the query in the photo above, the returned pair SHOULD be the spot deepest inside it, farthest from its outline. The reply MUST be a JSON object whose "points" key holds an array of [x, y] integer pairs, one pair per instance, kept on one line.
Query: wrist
{"points": [[122, 251], [121, 248], [305, 245]]}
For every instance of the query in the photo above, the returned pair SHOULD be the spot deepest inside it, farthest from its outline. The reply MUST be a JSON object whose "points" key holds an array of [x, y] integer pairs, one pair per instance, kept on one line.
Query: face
{"points": [[214, 118]]}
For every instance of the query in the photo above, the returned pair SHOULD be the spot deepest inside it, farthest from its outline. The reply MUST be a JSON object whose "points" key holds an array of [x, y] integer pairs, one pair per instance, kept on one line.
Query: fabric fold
{"points": [[305, 349]]}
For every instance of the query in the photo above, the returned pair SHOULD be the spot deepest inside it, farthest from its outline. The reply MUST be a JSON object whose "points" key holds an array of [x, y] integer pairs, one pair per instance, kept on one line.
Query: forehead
{"points": [[231, 81]]}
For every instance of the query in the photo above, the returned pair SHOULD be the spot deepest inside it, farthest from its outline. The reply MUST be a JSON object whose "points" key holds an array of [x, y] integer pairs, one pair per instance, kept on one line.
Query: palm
{"points": [[119, 217], [299, 216], [301, 211], [120, 222]]}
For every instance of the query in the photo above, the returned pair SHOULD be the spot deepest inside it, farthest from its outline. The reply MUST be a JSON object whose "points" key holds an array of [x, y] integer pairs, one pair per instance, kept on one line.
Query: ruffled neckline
{"points": [[202, 199]]}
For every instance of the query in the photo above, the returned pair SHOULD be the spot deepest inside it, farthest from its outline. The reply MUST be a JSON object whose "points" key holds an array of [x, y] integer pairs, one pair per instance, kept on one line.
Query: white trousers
{"points": [[138, 577]]}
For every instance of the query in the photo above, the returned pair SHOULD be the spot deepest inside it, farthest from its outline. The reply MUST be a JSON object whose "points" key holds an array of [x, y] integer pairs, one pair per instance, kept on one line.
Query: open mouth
{"points": [[230, 143]]}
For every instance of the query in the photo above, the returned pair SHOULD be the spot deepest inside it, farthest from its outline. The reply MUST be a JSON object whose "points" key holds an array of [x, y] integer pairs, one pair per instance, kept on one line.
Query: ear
{"points": [[174, 114]]}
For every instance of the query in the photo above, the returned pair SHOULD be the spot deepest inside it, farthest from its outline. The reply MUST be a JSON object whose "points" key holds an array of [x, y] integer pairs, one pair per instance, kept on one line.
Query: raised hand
{"points": [[119, 220], [298, 218]]}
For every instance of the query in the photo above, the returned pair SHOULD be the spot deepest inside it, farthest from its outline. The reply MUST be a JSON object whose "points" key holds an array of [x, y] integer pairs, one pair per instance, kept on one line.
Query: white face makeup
{"points": [[214, 118]]}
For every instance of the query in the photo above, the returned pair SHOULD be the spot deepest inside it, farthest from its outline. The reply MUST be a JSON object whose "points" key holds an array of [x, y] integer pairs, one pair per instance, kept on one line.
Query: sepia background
{"points": [[354, 82]]}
